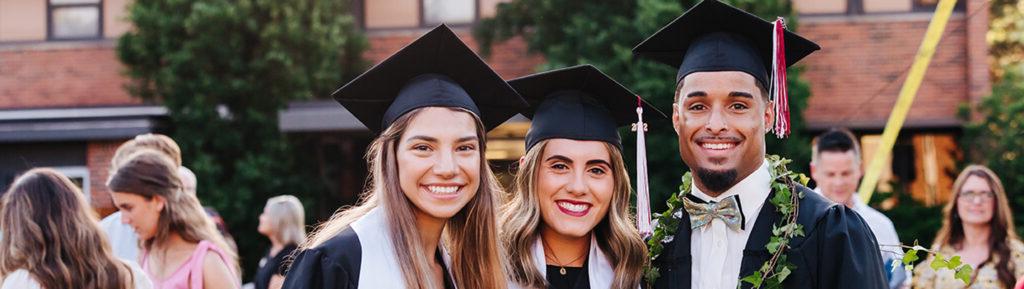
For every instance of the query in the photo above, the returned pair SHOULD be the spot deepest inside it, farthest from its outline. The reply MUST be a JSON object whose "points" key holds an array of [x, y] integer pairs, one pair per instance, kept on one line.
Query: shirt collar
{"points": [[752, 191]]}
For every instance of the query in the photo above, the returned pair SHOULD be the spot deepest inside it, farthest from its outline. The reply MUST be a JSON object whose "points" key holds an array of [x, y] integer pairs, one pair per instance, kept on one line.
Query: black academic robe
{"points": [[838, 250], [336, 264]]}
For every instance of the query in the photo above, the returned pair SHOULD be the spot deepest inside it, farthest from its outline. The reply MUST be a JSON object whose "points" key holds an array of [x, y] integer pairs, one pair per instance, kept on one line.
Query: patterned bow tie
{"points": [[701, 212]]}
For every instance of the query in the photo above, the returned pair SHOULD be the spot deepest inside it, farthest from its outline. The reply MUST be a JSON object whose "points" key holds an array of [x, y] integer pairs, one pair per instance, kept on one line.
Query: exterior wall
{"points": [[867, 51], [22, 20], [856, 78], [61, 75], [98, 155], [510, 59]]}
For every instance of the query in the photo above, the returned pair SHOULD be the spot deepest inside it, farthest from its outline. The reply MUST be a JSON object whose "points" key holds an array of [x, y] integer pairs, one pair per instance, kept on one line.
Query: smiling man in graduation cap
{"points": [[730, 92]]}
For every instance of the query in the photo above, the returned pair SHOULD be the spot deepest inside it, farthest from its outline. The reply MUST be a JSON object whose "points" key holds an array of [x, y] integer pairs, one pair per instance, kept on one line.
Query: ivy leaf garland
{"points": [[774, 271], [962, 272]]}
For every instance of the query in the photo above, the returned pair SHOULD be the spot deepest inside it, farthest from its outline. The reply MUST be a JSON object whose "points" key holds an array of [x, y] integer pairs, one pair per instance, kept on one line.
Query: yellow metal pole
{"points": [[906, 97]]}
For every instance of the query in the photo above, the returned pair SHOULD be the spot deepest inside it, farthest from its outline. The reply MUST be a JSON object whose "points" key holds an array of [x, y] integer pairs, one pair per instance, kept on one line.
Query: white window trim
{"points": [[78, 172]]}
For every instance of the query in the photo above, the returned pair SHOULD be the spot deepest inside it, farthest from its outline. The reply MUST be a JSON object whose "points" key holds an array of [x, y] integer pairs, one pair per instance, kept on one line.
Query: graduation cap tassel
{"points": [[778, 91], [643, 204]]}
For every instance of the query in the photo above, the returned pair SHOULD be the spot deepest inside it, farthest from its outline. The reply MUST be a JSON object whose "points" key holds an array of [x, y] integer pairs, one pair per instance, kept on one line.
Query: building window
{"points": [[452, 12], [74, 19], [930, 5], [79, 176]]}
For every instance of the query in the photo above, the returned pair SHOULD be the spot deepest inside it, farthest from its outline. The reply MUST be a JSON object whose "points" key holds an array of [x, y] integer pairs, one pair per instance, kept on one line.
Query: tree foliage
{"points": [[224, 68], [571, 32], [1006, 34], [997, 136]]}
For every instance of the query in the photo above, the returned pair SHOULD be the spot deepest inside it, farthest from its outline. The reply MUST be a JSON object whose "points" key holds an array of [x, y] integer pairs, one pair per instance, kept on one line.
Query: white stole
{"points": [[599, 270], [378, 267]]}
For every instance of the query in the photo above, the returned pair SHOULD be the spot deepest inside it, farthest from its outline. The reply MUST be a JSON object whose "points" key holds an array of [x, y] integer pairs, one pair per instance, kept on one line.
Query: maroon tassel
{"points": [[778, 91]]}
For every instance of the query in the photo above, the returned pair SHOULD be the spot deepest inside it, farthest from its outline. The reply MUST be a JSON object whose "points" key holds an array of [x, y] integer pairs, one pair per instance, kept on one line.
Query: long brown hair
{"points": [[149, 174], [471, 233], [615, 234], [1001, 226], [51, 232]]}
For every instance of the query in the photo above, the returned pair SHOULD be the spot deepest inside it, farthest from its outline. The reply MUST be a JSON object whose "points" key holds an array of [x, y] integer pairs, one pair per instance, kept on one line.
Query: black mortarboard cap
{"points": [[579, 103], [437, 69], [713, 36]]}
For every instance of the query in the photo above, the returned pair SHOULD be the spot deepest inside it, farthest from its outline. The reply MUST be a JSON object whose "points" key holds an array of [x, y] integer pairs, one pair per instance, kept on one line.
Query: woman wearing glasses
{"points": [[977, 226]]}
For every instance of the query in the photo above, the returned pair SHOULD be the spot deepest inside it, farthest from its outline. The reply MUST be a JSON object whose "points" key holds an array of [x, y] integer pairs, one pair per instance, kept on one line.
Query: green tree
{"points": [[1006, 34], [224, 68], [571, 32], [996, 138]]}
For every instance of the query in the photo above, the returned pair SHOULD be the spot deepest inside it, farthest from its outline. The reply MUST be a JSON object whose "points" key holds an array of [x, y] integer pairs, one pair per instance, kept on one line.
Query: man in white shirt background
{"points": [[836, 169]]}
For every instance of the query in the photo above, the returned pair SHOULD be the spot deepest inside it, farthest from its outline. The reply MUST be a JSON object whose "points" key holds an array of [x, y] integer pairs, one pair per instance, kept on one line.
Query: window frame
{"points": [[421, 5], [50, 8], [917, 6], [72, 172], [856, 8]]}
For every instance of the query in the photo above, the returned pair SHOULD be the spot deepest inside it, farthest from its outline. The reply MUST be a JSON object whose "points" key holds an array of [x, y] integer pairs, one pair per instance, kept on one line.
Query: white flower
{"points": [[668, 239], [678, 214]]}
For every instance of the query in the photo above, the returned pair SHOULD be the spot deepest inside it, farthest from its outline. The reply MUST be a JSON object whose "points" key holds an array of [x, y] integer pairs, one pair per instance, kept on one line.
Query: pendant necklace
{"points": [[561, 265]]}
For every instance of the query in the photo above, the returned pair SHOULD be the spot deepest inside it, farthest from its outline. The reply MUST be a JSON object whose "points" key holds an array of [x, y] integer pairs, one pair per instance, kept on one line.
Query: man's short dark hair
{"points": [[839, 140]]}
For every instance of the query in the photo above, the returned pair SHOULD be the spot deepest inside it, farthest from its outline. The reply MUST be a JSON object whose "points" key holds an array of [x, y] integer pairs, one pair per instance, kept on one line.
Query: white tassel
{"points": [[643, 202]]}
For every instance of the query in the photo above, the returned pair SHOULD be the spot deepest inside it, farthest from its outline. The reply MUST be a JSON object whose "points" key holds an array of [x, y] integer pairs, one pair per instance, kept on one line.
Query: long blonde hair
{"points": [[1001, 226], [471, 233], [51, 232], [616, 235], [289, 219], [149, 173]]}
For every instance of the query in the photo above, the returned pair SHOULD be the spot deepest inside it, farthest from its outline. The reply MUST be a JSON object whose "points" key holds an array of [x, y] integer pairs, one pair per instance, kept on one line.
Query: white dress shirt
{"points": [[717, 250], [122, 237]]}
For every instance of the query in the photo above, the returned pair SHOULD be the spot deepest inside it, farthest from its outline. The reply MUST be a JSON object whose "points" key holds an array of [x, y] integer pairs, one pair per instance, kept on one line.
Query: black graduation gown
{"points": [[838, 250], [335, 265]]}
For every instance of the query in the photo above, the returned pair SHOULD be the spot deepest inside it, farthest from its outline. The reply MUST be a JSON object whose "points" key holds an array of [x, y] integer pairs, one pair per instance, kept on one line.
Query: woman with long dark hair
{"points": [[978, 226], [52, 239], [431, 192], [181, 247]]}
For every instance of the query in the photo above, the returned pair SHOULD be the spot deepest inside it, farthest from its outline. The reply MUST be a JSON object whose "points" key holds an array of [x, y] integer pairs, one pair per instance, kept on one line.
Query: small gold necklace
{"points": [[561, 265]]}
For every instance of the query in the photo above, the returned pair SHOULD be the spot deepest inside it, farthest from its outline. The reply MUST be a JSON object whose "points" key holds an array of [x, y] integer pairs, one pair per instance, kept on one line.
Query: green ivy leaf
{"points": [[939, 262], [964, 273], [754, 279], [953, 262], [910, 257], [773, 245], [783, 274]]}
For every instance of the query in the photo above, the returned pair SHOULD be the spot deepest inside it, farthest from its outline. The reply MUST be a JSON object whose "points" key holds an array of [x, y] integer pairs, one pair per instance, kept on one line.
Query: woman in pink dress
{"points": [[181, 247]]}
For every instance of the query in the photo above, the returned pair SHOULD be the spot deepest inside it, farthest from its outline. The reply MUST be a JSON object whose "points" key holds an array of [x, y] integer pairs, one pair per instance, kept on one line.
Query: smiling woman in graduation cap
{"points": [[567, 225], [430, 191], [730, 92]]}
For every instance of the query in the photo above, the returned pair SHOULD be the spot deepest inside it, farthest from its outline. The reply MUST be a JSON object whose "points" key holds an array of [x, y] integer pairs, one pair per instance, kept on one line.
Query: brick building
{"points": [[868, 47], [62, 101]]}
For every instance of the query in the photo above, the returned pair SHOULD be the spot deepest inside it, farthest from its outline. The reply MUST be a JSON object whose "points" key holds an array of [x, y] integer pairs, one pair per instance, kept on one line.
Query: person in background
{"points": [[122, 237], [977, 225], [189, 181], [836, 168], [181, 248], [283, 222], [53, 240]]}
